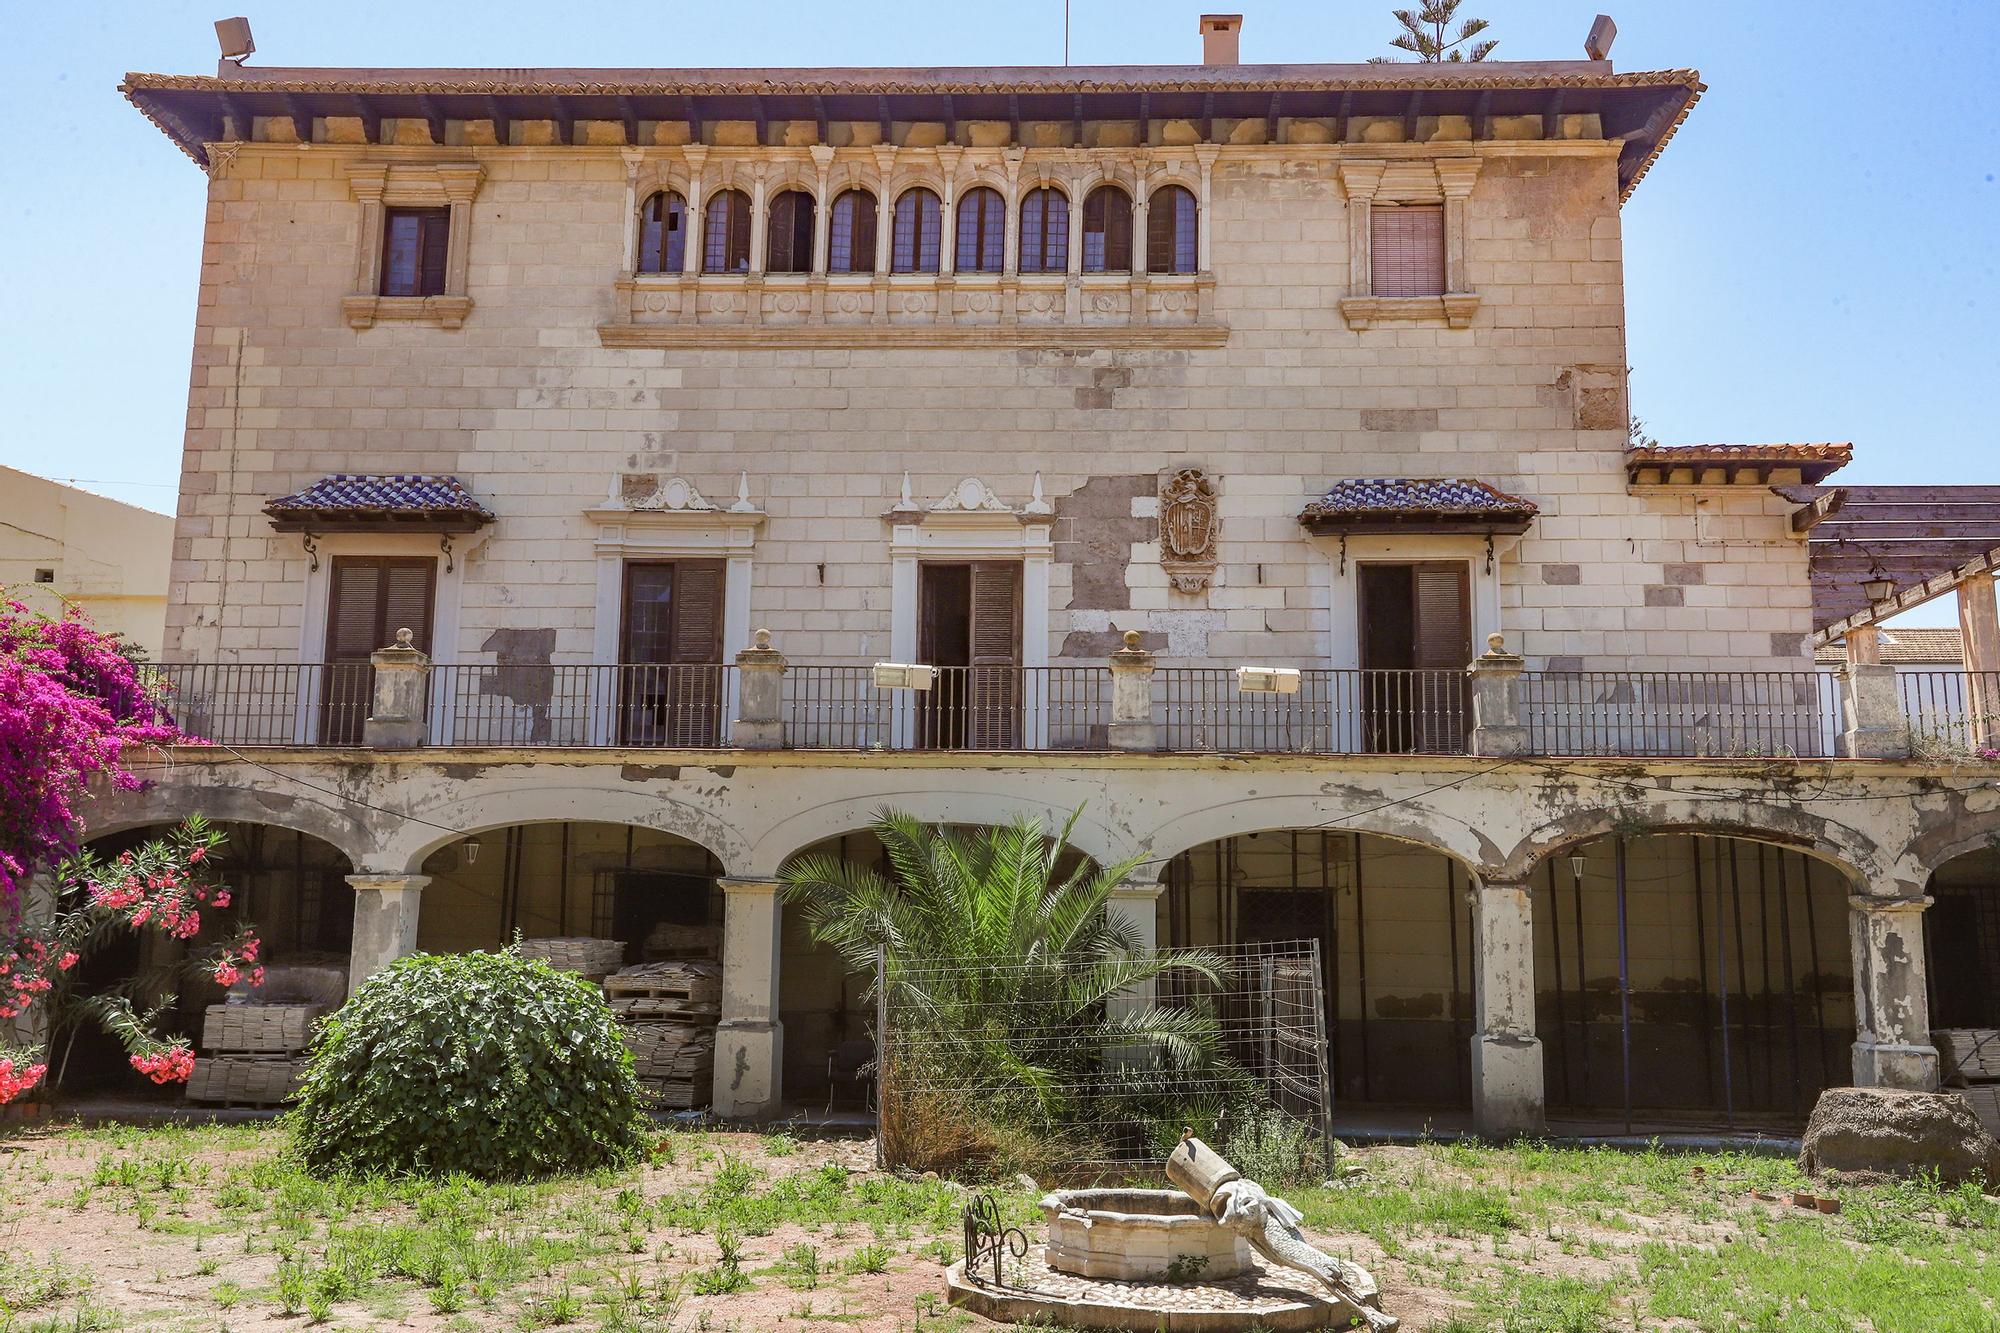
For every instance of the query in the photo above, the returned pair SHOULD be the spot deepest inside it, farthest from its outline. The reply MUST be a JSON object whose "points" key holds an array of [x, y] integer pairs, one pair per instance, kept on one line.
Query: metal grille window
{"points": [[1045, 231], [982, 232], [851, 241], [1407, 249], [917, 242], [1172, 231], [663, 234], [1107, 231], [726, 235]]}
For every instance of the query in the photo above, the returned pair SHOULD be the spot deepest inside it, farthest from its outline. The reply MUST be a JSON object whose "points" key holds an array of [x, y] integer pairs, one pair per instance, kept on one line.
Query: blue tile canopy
{"points": [[380, 500], [1419, 504]]}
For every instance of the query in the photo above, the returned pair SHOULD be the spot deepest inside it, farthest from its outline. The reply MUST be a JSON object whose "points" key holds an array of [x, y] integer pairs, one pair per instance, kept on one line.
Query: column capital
{"points": [[367, 882], [1864, 902], [1137, 891], [460, 180], [1362, 177], [746, 885], [1456, 175], [367, 180]]}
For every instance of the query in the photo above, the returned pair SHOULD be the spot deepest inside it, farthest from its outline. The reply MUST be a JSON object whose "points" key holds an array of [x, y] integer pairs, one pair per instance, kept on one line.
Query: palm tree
{"points": [[1426, 34], [1011, 986]]}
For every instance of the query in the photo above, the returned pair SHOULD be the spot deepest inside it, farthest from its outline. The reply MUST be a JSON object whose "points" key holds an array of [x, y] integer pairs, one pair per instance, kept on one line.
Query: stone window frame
{"points": [[379, 186], [1436, 180]]}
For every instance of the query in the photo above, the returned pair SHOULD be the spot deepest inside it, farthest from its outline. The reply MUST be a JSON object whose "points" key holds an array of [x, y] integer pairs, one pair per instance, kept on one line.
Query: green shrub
{"points": [[482, 1063]]}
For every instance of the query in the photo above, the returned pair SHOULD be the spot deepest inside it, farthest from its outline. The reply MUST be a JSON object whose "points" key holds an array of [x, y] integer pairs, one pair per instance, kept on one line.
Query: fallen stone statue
{"points": [[1271, 1226]]}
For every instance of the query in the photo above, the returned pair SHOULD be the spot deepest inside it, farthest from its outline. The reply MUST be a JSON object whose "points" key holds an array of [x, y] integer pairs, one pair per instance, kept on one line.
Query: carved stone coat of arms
{"points": [[1187, 529]]}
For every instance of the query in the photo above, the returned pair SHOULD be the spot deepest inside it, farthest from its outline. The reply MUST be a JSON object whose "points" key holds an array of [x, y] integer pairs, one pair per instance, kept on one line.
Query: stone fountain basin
{"points": [[1139, 1235]]}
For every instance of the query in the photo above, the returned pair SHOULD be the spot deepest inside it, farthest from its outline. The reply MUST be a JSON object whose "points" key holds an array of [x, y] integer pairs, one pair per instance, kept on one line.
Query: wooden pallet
{"points": [[674, 1061], [259, 1029], [591, 957], [688, 989], [1984, 1099], [239, 1080], [1969, 1055]]}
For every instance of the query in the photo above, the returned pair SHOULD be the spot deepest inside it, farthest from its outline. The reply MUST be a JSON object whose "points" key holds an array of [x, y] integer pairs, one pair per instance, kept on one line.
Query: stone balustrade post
{"points": [[1892, 1047], [760, 672], [1871, 713], [1507, 1091], [749, 1039], [385, 922], [1495, 675], [1132, 697], [396, 708]]}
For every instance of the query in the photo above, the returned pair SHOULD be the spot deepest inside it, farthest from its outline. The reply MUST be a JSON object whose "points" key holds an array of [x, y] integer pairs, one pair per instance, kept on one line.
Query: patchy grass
{"points": [[202, 1229]]}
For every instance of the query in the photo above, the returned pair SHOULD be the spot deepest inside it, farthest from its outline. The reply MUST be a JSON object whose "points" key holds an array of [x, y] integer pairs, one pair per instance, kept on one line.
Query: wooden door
{"points": [[993, 688], [670, 687], [369, 598], [1442, 614]]}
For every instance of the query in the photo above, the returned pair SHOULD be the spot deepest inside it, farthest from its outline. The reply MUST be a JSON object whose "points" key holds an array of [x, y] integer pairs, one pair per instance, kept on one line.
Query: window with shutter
{"points": [[415, 245], [1407, 250], [1045, 231], [982, 232], [369, 598], [726, 233], [1107, 231], [916, 241], [1172, 231], [790, 244], [670, 690], [851, 241], [663, 234]]}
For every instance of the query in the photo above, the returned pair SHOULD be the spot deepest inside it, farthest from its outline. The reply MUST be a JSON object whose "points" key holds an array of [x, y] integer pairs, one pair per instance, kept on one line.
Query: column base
{"points": [[749, 1064], [1875, 743], [757, 735], [1912, 1068], [1143, 737], [1499, 742], [385, 923], [1507, 1096]]}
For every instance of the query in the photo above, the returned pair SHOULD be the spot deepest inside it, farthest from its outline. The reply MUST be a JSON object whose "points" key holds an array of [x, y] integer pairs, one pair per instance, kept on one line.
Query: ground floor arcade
{"points": [[1713, 942]]}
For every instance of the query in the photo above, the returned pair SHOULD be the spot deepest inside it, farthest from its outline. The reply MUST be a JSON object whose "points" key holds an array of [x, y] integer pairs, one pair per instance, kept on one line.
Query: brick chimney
{"points": [[1219, 33]]}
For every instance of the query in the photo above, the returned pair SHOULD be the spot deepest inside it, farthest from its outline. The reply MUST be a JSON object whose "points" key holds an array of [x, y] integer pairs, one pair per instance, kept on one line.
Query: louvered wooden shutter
{"points": [[1444, 647], [369, 598], [1160, 233], [407, 589], [739, 232], [437, 249], [694, 695], [993, 703], [862, 249], [353, 610], [1407, 250]]}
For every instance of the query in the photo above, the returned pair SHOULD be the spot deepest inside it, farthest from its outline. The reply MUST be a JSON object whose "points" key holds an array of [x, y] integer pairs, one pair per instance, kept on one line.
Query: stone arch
{"points": [[1276, 814], [777, 844], [1866, 866], [433, 827], [355, 834]]}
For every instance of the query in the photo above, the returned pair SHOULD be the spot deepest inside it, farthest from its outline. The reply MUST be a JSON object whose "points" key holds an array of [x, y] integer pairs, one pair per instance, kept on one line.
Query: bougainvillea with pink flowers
{"points": [[73, 706]]}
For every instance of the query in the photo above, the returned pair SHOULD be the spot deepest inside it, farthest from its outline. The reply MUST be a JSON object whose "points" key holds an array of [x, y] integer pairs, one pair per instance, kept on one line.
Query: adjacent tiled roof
{"points": [[1908, 647], [1813, 461], [1418, 502], [388, 499]]}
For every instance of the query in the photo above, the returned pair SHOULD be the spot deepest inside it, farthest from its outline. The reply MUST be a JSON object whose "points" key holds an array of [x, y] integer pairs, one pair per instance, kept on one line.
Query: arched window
{"points": [[982, 232], [1171, 231], [1107, 231], [851, 243], [663, 233], [915, 246], [1045, 231], [789, 246], [726, 233]]}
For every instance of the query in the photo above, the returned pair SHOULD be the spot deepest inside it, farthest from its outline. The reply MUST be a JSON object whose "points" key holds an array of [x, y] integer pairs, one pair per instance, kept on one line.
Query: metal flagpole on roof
{"points": [[1065, 32]]}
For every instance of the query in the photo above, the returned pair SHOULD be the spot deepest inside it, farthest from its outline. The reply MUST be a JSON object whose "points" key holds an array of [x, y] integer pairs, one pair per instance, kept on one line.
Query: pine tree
{"points": [[1426, 34]]}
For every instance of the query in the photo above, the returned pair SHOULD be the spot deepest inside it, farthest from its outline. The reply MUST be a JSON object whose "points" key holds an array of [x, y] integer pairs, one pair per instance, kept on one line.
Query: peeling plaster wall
{"points": [[541, 421]]}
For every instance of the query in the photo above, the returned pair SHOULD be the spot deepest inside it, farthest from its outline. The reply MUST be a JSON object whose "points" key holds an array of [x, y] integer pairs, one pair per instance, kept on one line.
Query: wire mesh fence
{"points": [[1012, 1060]]}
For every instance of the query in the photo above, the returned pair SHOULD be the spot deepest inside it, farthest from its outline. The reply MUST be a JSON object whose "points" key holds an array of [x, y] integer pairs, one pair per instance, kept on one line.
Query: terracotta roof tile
{"points": [[389, 496], [1416, 500], [1814, 461]]}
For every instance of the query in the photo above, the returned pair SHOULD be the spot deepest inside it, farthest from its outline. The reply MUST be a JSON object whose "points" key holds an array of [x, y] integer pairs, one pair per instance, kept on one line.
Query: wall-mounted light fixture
{"points": [[1267, 680], [904, 676]]}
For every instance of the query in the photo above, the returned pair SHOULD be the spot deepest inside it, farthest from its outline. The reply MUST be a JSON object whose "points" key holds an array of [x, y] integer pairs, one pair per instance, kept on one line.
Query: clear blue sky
{"points": [[1814, 258]]}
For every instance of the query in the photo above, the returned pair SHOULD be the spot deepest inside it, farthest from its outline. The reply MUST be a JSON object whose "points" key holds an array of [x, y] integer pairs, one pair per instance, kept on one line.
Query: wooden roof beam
{"points": [[1909, 598], [1208, 116], [950, 120], [1076, 114], [1482, 116], [628, 114], [1014, 119], [503, 126], [1145, 118], [694, 120], [434, 117], [1552, 116], [885, 122], [1341, 116], [762, 115], [1816, 511], [371, 120], [238, 118], [1273, 115], [1410, 114]]}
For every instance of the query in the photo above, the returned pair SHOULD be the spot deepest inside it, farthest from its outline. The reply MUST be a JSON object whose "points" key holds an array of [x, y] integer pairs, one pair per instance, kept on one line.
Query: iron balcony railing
{"points": [[1777, 714], [1679, 714]]}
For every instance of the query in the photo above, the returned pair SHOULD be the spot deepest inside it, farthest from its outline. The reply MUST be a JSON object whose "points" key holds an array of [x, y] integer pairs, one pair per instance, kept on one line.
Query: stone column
{"points": [[760, 673], [367, 184], [1979, 627], [633, 158], [697, 223], [749, 1041], [1871, 713], [1360, 178], [1135, 904], [1455, 178], [1497, 731], [1132, 697], [461, 183], [1892, 1047], [385, 923], [1507, 1093], [396, 710]]}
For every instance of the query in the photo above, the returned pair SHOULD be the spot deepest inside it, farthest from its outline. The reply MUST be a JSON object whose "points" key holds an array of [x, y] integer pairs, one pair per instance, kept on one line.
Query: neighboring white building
{"points": [[58, 543]]}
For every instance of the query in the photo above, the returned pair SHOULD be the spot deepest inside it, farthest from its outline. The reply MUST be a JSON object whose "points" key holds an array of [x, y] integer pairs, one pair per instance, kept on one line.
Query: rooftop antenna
{"points": [[233, 36]]}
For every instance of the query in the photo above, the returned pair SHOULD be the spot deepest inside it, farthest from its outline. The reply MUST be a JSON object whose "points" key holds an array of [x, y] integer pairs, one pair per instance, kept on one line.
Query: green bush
{"points": [[482, 1063]]}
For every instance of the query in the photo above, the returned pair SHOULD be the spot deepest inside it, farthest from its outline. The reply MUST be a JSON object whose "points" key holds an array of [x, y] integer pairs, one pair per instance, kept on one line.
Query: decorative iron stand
{"points": [[984, 1235]]}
